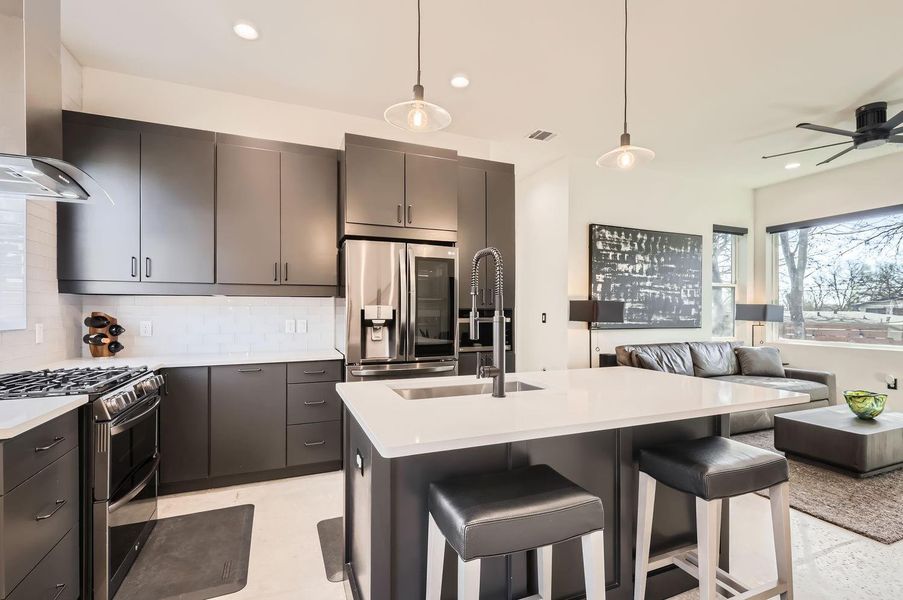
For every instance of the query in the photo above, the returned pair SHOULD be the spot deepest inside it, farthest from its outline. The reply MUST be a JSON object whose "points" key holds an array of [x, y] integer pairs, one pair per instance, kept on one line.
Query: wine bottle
{"points": [[115, 347], [116, 329], [95, 339], [97, 321]]}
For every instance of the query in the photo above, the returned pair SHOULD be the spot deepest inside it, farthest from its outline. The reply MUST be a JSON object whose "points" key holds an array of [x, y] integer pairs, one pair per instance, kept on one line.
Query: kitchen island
{"points": [[588, 424]]}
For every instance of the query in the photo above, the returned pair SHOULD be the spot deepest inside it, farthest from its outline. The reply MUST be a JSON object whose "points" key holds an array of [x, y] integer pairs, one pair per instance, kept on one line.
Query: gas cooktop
{"points": [[65, 382]]}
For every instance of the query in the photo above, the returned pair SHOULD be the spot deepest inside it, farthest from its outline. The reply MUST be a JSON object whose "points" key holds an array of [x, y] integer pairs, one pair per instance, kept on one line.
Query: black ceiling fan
{"points": [[872, 130]]}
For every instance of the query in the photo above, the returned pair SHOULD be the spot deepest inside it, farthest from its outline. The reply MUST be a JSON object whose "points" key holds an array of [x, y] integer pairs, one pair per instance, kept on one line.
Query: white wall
{"points": [[861, 186], [646, 199], [541, 230]]}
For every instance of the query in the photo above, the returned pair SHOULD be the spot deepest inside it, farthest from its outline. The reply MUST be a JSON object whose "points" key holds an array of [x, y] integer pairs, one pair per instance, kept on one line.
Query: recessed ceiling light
{"points": [[792, 165], [460, 81], [245, 31]]}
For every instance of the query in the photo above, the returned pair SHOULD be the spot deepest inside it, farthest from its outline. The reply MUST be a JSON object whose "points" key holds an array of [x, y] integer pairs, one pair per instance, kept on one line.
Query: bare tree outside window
{"points": [[843, 282], [724, 283]]}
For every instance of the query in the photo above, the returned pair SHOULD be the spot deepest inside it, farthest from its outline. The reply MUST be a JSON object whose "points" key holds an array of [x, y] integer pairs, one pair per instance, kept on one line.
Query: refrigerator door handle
{"points": [[403, 325], [412, 306]]}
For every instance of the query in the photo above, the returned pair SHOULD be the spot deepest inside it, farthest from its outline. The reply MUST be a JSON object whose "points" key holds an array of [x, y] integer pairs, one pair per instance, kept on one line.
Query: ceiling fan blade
{"points": [[838, 155], [824, 129], [894, 121], [806, 150]]}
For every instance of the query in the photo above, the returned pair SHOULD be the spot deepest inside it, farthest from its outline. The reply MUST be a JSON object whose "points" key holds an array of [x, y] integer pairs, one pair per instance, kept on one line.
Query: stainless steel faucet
{"points": [[497, 369]]}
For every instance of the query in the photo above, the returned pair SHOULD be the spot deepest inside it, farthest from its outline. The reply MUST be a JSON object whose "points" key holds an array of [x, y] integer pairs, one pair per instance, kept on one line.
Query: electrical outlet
{"points": [[543, 317], [302, 325], [891, 382], [146, 328], [289, 326], [38, 333]]}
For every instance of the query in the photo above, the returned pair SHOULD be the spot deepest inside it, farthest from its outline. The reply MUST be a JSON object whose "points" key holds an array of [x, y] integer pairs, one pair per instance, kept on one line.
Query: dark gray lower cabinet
{"points": [[184, 415], [247, 418], [56, 576], [314, 443]]}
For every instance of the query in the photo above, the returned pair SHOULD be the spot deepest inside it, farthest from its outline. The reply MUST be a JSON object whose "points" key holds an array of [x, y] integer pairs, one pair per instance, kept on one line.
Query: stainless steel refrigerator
{"points": [[398, 313]]}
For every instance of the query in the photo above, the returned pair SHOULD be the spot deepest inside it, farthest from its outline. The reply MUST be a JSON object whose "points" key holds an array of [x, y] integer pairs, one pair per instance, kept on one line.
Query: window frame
{"points": [[736, 235]]}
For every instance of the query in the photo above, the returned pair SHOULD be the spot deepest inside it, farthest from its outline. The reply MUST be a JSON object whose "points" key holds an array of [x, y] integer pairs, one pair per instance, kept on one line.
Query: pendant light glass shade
{"points": [[418, 115], [625, 156]]}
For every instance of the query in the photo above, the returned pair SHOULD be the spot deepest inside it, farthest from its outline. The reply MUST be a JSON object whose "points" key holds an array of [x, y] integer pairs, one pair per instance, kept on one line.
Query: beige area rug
{"points": [[872, 507]]}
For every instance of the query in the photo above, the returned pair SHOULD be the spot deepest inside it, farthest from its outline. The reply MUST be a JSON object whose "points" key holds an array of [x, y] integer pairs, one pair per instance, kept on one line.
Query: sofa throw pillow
{"points": [[763, 361], [645, 361], [714, 359]]}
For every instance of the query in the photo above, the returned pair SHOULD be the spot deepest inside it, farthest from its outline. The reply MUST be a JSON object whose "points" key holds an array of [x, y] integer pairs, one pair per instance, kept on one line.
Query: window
{"points": [[842, 280], [724, 282]]}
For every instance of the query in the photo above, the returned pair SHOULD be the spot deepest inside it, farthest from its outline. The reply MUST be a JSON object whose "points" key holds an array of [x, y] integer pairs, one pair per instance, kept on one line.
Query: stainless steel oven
{"points": [[126, 460], [483, 343]]}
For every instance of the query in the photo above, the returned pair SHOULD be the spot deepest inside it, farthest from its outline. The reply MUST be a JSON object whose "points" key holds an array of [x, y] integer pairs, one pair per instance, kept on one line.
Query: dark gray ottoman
{"points": [[833, 435]]}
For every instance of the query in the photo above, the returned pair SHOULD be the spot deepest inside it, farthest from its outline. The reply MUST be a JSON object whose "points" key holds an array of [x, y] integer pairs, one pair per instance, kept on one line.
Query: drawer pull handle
{"points": [[59, 504], [320, 443], [314, 402], [61, 587], [257, 370], [56, 440], [320, 372]]}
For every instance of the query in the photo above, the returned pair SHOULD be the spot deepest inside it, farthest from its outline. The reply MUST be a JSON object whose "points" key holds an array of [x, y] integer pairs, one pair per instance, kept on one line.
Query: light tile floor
{"points": [[829, 562]]}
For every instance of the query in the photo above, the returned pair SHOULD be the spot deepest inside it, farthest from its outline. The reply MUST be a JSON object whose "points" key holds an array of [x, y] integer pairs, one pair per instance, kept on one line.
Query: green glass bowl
{"points": [[865, 404]]}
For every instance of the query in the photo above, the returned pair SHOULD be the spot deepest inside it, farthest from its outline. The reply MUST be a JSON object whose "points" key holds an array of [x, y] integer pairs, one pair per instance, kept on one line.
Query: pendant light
{"points": [[418, 115], [626, 155]]}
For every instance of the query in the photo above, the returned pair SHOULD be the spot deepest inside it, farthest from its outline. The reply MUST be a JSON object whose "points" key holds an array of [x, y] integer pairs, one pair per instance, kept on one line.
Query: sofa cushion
{"points": [[763, 361], [816, 391], [714, 359], [671, 358]]}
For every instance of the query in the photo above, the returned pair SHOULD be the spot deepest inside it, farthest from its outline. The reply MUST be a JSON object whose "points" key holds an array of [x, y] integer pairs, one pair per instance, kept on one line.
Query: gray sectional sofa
{"points": [[717, 360]]}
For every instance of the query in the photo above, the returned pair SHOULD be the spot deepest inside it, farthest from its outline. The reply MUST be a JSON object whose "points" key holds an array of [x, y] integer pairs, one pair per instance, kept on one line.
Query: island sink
{"points": [[473, 389]]}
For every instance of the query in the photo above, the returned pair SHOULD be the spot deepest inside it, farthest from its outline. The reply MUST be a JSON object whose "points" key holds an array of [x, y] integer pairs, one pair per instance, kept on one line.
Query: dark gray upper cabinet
{"points": [[309, 190], [247, 418], [374, 186], [101, 241], [471, 230], [431, 192], [247, 215], [177, 206], [500, 224], [184, 416]]}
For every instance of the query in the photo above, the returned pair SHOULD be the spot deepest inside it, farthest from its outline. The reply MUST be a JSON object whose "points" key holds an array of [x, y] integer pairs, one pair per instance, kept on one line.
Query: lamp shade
{"points": [[771, 313], [597, 311]]}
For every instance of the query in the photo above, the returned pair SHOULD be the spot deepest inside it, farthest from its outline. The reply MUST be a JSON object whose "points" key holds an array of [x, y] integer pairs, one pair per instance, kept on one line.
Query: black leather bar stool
{"points": [[712, 469], [502, 513]]}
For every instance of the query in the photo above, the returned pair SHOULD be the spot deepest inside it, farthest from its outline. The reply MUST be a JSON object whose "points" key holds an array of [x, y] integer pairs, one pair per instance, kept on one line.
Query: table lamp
{"points": [[759, 314], [596, 311]]}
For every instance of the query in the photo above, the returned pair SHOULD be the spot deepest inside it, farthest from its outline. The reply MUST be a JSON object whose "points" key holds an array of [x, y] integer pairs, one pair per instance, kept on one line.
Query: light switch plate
{"points": [[289, 326], [38, 333], [302, 326], [146, 328]]}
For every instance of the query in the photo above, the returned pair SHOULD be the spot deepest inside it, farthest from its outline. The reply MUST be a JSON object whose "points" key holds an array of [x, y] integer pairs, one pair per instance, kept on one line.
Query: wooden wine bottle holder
{"points": [[102, 351]]}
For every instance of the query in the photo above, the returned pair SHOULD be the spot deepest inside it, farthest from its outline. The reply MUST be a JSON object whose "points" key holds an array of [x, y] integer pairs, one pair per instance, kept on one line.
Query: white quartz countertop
{"points": [[197, 360], [20, 415], [573, 401]]}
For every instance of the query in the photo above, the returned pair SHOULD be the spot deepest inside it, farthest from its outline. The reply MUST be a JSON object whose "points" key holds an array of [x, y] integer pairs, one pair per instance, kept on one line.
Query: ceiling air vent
{"points": [[542, 136]]}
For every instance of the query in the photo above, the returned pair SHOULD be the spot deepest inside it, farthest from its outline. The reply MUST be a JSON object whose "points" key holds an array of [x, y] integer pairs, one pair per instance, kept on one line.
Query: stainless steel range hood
{"points": [[31, 130]]}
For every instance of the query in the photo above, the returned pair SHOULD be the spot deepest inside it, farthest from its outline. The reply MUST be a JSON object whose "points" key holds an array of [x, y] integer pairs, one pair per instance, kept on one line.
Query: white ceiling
{"points": [[714, 83]]}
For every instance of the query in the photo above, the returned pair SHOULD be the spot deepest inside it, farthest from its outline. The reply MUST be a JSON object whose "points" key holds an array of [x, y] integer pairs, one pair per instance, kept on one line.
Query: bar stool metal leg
{"points": [[594, 565], [435, 557], [707, 523], [544, 571], [645, 508], [468, 579], [780, 519]]}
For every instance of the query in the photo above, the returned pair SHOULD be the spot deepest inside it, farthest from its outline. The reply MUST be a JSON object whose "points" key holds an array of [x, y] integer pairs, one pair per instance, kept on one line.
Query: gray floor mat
{"points": [[193, 557], [332, 541]]}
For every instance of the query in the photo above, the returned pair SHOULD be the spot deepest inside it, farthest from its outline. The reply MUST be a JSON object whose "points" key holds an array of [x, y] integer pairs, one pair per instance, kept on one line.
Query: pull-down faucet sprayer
{"points": [[497, 369]]}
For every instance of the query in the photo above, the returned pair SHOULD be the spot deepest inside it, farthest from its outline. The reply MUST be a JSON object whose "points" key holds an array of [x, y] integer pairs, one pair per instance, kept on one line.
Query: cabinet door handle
{"points": [[320, 443], [147, 267], [59, 504], [410, 214], [57, 440], [257, 370], [61, 587], [398, 215], [320, 372], [285, 275], [276, 271], [134, 266], [314, 402]]}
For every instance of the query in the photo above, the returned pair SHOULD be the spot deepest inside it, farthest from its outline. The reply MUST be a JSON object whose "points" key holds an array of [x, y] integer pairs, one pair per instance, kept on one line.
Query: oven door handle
{"points": [[128, 423], [138, 488]]}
